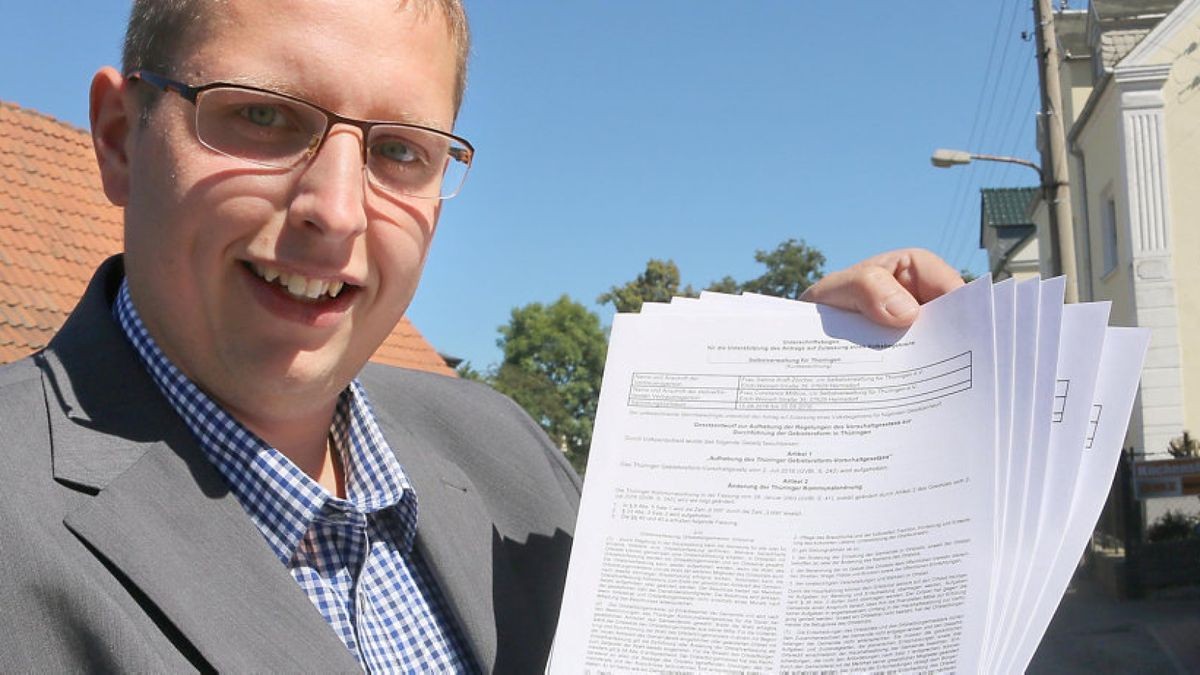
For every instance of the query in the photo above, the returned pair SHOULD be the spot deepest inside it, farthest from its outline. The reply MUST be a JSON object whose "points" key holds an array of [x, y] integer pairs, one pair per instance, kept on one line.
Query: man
{"points": [[200, 472]]}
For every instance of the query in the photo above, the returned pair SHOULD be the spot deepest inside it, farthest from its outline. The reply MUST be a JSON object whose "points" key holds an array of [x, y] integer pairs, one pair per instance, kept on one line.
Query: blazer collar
{"points": [[454, 534], [161, 515], [485, 577], [110, 410]]}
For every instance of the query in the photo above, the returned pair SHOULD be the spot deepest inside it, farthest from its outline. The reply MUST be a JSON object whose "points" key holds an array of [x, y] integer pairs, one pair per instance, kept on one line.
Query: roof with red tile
{"points": [[56, 226]]}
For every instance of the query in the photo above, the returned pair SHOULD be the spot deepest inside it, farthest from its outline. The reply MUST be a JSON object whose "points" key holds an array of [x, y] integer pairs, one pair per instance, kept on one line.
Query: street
{"points": [[1095, 633]]}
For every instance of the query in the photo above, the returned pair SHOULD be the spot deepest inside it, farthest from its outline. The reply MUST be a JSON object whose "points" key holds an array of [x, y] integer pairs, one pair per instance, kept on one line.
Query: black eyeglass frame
{"points": [[192, 93]]}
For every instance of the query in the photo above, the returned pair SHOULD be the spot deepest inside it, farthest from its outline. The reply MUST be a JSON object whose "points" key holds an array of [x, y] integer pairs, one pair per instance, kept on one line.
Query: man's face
{"points": [[201, 228]]}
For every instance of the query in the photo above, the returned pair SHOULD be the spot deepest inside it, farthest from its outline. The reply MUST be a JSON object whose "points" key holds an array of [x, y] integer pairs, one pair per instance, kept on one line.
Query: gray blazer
{"points": [[122, 549]]}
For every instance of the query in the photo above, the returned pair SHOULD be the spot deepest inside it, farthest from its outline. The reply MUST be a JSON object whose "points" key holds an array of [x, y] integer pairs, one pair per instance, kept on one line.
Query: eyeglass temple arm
{"points": [[166, 84]]}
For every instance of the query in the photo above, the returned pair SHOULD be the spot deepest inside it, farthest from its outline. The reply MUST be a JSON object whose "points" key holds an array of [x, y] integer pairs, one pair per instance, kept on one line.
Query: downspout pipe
{"points": [[1086, 291]]}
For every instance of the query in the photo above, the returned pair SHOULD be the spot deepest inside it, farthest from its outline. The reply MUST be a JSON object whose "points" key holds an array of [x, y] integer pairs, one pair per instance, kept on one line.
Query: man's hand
{"points": [[887, 288]]}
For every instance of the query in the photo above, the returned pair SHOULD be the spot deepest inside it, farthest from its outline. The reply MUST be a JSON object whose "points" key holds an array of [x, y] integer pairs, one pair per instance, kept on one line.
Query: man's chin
{"points": [[300, 381]]}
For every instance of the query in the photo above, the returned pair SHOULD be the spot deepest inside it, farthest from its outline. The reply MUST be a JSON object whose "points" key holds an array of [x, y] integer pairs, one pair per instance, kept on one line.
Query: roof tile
{"points": [[56, 226], [1007, 206]]}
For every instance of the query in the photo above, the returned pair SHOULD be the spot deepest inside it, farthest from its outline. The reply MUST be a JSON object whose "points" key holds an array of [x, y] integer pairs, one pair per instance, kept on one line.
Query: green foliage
{"points": [[553, 361], [467, 372], [1172, 526], [1183, 447], [534, 392], [967, 275], [658, 283], [554, 354], [725, 284], [791, 268]]}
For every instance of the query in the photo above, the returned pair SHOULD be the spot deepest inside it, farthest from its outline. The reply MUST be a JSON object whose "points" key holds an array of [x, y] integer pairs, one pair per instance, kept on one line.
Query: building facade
{"points": [[1008, 232], [1130, 78], [1131, 83]]}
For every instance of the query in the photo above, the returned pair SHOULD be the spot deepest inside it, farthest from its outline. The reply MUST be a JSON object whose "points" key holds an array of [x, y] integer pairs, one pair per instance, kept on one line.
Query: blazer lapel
{"points": [[168, 525], [161, 516], [454, 534]]}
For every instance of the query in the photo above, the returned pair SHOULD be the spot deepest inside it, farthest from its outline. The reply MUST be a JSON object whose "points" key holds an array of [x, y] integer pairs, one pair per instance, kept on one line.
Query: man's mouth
{"points": [[299, 286]]}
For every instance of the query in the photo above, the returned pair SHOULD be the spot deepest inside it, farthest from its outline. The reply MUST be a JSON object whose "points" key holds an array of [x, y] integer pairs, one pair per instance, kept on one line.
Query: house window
{"points": [[1109, 235]]}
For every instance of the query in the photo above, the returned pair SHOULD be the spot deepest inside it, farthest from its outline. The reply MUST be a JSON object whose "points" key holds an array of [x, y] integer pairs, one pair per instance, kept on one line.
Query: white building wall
{"points": [[1144, 184]]}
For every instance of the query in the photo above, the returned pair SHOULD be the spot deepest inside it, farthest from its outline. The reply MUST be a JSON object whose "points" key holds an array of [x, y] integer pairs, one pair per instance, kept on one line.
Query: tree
{"points": [[658, 283], [1183, 447], [791, 268], [467, 372], [1172, 526], [725, 284], [554, 354], [553, 361]]}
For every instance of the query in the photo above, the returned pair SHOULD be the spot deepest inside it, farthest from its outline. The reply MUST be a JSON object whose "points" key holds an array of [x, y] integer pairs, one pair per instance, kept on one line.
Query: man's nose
{"points": [[331, 190]]}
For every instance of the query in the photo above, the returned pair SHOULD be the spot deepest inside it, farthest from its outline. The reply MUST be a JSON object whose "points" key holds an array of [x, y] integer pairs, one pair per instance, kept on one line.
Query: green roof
{"points": [[1006, 206]]}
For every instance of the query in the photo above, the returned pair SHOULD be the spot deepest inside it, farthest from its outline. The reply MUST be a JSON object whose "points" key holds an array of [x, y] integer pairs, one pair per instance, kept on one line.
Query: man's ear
{"points": [[114, 118]]}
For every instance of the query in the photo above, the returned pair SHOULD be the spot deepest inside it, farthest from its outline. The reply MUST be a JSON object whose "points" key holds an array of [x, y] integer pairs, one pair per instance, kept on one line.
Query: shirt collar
{"points": [[280, 499]]}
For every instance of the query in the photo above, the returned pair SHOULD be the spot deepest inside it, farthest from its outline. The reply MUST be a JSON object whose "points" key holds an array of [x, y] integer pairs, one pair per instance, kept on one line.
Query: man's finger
{"points": [[925, 275], [887, 288], [869, 290]]}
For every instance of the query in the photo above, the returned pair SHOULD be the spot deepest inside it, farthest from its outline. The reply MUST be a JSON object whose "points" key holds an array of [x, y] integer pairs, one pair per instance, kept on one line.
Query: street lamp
{"points": [[944, 159], [1060, 225]]}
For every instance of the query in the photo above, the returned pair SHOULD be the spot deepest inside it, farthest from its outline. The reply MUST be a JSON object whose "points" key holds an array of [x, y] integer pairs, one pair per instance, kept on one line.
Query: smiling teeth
{"points": [[298, 285]]}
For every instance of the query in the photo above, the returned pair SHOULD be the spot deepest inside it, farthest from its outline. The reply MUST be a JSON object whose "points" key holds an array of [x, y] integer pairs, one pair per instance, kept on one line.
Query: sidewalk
{"points": [[1095, 633]]}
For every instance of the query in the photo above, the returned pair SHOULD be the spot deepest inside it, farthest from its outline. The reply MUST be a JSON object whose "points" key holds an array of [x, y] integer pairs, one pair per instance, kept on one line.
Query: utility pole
{"points": [[1055, 186]]}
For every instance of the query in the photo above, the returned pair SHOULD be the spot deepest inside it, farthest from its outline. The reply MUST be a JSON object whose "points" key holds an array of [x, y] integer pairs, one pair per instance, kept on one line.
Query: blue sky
{"points": [[611, 132]]}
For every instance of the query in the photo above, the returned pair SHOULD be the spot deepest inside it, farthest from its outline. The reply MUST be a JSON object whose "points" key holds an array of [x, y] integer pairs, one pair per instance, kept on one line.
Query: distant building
{"points": [[1130, 77], [1008, 233], [56, 226]]}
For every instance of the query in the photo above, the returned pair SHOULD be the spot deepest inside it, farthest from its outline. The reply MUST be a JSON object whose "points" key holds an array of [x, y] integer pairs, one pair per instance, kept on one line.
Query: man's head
{"points": [[220, 251], [159, 30]]}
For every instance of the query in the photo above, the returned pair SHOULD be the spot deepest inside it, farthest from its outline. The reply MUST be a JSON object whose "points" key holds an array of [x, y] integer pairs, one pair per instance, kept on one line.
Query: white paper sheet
{"points": [[769, 494], [1079, 352], [1116, 386], [1010, 483], [1004, 301], [1025, 486]]}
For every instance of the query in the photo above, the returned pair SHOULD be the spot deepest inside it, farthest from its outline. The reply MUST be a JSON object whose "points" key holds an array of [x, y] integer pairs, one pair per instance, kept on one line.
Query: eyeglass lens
{"points": [[275, 131]]}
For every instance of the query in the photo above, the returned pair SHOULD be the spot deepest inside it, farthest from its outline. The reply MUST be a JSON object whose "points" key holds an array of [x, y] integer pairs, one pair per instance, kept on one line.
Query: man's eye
{"points": [[396, 151], [263, 115]]}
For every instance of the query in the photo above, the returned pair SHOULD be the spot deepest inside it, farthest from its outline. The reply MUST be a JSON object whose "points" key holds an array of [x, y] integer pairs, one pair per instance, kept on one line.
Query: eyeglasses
{"points": [[276, 130]]}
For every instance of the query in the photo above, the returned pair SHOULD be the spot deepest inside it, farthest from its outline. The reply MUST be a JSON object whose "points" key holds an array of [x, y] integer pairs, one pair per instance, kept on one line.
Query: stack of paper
{"points": [[777, 486]]}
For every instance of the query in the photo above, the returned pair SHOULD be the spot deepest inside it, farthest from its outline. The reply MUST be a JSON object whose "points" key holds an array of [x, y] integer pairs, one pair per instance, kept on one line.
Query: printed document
{"points": [[776, 486], [766, 494]]}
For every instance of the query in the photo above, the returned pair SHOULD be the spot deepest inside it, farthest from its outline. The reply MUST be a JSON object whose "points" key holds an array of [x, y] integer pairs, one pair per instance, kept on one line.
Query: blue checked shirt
{"points": [[353, 557]]}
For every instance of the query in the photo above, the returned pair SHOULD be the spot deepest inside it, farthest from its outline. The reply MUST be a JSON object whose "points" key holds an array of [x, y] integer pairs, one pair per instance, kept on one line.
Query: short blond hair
{"points": [[158, 29]]}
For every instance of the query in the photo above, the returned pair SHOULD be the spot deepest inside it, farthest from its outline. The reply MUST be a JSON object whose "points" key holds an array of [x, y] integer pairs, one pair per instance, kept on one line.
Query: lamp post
{"points": [[1060, 236], [944, 159]]}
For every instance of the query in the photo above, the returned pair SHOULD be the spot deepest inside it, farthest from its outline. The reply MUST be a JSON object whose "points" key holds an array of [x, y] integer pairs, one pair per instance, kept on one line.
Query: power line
{"points": [[1025, 112], [1005, 76], [953, 230], [983, 88], [1007, 142]]}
